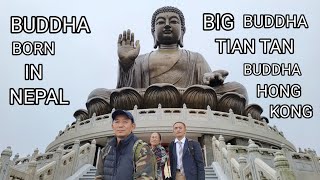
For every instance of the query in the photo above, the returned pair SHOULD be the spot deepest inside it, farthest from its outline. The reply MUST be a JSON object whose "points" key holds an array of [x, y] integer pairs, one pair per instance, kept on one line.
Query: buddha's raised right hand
{"points": [[127, 50]]}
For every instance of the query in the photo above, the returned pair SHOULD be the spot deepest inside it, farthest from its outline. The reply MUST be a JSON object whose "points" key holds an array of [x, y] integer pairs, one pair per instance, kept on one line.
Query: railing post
{"points": [[31, 171], [222, 145], [232, 117], [35, 153], [135, 112], [59, 134], [242, 164], [253, 153], [92, 151], [15, 158], [57, 157], [208, 153], [314, 159], [66, 129], [214, 149], [251, 120], [231, 151], [93, 119], [184, 112], [265, 123], [288, 155], [159, 113], [222, 142], [205, 155], [113, 109], [228, 158], [76, 149], [282, 167], [5, 163], [77, 125], [209, 113]]}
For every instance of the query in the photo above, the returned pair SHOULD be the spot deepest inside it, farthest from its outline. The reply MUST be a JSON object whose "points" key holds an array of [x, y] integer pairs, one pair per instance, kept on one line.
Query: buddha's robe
{"points": [[185, 71]]}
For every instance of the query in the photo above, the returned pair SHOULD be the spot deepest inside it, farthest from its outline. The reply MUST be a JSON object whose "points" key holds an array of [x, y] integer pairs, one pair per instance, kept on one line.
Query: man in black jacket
{"points": [[125, 156], [186, 160]]}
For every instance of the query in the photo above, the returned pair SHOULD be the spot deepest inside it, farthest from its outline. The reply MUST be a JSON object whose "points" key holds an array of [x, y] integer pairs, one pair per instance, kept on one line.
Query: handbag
{"points": [[168, 174]]}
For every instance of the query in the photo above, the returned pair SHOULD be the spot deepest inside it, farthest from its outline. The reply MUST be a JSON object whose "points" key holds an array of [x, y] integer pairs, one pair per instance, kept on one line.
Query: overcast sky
{"points": [[84, 62]]}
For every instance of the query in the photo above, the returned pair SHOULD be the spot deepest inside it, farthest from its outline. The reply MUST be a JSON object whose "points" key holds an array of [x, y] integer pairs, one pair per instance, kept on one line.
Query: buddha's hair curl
{"points": [[167, 9]]}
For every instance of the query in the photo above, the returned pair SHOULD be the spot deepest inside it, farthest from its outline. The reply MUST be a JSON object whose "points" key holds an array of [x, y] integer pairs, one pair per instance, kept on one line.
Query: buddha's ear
{"points": [[181, 42], [155, 42], [181, 38]]}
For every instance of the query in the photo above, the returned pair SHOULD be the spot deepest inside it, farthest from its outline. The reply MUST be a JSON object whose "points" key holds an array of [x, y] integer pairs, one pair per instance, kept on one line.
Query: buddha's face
{"points": [[167, 28]]}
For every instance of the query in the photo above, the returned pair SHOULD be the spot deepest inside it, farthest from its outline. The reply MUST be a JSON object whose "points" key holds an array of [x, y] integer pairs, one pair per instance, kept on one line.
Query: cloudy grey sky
{"points": [[84, 62]]}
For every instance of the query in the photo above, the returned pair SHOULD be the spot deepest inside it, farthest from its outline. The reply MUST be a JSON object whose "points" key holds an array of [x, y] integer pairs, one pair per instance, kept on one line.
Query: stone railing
{"points": [[266, 171], [205, 121], [46, 172], [184, 112], [41, 160], [252, 162], [49, 166]]}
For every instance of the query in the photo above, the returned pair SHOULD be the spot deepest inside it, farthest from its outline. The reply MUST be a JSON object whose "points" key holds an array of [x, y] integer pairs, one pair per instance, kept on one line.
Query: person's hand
{"points": [[127, 50], [215, 78], [98, 178]]}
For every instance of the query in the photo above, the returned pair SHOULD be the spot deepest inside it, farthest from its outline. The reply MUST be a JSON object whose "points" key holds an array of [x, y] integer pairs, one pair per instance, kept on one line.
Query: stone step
{"points": [[210, 174], [91, 172], [89, 175]]}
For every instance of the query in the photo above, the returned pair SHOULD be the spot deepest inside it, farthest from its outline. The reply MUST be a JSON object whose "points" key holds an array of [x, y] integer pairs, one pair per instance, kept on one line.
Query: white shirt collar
{"points": [[183, 140]]}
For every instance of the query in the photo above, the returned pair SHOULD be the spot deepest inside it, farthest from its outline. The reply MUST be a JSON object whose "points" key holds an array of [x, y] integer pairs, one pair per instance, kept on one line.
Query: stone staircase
{"points": [[89, 175], [210, 174]]}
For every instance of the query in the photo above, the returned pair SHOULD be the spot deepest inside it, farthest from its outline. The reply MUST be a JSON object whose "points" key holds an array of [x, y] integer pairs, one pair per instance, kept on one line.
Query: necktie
{"points": [[180, 157]]}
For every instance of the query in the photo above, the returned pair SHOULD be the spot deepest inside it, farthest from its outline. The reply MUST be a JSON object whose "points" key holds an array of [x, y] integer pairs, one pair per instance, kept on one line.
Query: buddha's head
{"points": [[168, 26]]}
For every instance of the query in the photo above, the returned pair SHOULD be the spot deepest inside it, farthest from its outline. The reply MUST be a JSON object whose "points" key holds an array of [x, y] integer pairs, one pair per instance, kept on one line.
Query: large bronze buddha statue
{"points": [[169, 76], [168, 63]]}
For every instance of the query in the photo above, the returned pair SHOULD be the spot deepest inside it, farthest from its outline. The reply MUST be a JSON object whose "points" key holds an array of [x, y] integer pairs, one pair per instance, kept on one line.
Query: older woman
{"points": [[160, 152]]}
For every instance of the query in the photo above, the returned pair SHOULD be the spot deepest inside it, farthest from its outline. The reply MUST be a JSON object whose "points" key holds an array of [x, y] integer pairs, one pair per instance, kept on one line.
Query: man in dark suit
{"points": [[186, 160]]}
